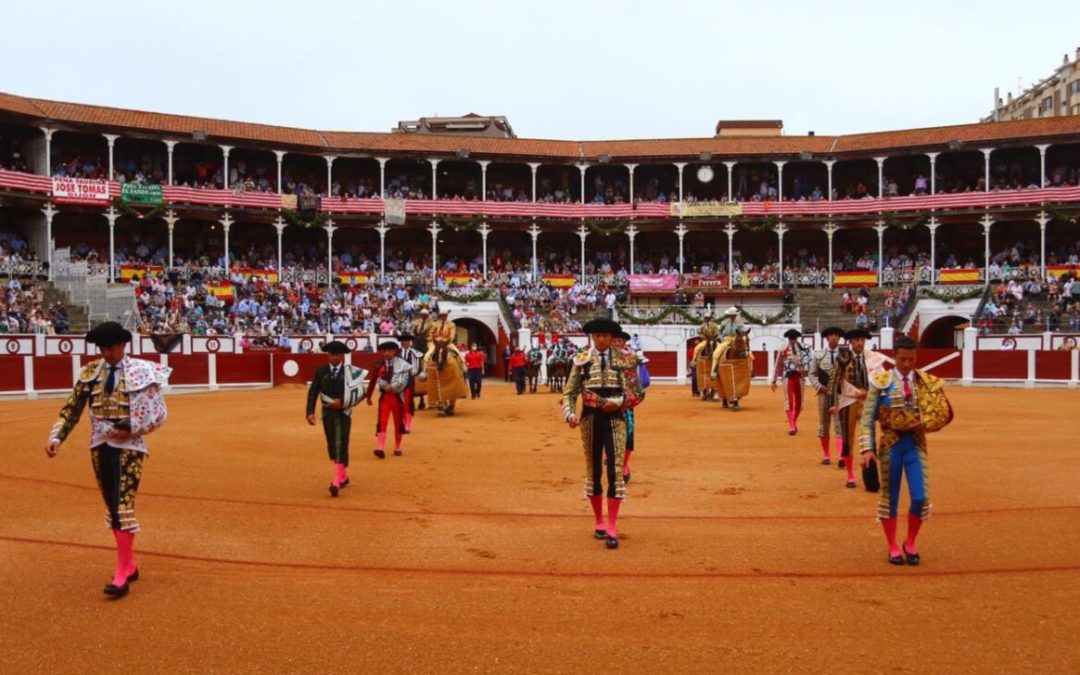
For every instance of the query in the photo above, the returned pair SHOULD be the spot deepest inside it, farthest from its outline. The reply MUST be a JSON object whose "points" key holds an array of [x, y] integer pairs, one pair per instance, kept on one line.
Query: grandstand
{"points": [[271, 235]]}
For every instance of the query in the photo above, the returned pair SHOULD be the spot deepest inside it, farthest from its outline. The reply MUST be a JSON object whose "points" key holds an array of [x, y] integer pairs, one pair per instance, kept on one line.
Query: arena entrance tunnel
{"points": [[941, 333], [476, 331]]}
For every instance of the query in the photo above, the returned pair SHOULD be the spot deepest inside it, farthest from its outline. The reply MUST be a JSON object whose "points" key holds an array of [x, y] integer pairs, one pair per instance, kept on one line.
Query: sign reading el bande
{"points": [[137, 193]]}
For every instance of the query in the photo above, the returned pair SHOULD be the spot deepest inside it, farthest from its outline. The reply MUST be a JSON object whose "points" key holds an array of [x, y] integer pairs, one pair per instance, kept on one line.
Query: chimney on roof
{"points": [[749, 127], [811, 133]]}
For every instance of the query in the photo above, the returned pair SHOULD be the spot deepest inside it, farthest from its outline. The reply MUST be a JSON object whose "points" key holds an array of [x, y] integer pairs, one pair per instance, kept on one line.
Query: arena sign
{"points": [[136, 193], [80, 190], [705, 209]]}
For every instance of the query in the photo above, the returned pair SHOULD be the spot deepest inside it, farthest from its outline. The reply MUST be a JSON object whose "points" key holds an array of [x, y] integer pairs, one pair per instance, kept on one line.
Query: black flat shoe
{"points": [[117, 592], [826, 461], [626, 478], [397, 453], [344, 484], [333, 490], [911, 558], [613, 542], [380, 454], [134, 576], [599, 534], [791, 432], [896, 559], [851, 484]]}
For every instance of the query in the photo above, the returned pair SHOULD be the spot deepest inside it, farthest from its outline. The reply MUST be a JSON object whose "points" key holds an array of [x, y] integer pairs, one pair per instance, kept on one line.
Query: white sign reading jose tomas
{"points": [[80, 189]]}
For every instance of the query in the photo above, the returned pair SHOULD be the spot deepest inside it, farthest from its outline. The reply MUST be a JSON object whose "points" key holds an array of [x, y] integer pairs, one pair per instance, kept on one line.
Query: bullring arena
{"points": [[235, 252], [473, 551]]}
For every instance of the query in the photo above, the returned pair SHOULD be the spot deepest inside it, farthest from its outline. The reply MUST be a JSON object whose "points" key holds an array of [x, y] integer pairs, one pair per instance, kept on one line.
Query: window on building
{"points": [[1074, 87], [1047, 103]]}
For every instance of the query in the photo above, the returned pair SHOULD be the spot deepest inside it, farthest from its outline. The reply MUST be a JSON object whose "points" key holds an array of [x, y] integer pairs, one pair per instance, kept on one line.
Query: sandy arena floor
{"points": [[474, 552]]}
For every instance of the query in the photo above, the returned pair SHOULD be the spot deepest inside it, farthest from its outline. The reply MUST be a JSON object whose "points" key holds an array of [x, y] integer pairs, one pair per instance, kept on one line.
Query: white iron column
{"points": [[880, 228], [581, 169], [434, 229], [225, 150], [933, 171], [730, 180], [483, 185], [111, 140], [779, 179], [986, 167], [830, 232], [382, 175], [170, 146], [583, 232], [880, 176], [730, 231], [280, 154], [382, 229], [280, 225], [986, 222], [680, 166], [330, 229], [680, 232], [484, 231], [226, 225], [828, 171], [632, 232], [1042, 163], [48, 153], [111, 214], [434, 177], [780, 230], [50, 212], [534, 231], [1042, 220], [329, 172], [933, 224], [170, 221], [630, 200], [535, 166]]}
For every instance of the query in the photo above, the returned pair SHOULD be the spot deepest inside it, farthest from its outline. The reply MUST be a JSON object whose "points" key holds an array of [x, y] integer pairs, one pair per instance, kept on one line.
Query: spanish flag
{"points": [[353, 279], [842, 279], [223, 290], [959, 276], [560, 280], [129, 271]]}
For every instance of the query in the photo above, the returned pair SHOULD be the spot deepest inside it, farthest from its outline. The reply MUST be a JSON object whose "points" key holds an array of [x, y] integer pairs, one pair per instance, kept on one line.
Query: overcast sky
{"points": [[575, 70]]}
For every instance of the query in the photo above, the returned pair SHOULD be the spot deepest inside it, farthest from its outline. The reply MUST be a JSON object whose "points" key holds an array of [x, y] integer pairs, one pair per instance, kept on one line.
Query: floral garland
{"points": [[466, 298], [294, 218], [597, 227], [656, 318], [128, 210], [921, 218], [955, 296], [1063, 216], [768, 320], [460, 225], [767, 225]]}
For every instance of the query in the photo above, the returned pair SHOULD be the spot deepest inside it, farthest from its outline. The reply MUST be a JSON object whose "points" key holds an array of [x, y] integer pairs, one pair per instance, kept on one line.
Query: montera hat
{"points": [[601, 326], [388, 345], [406, 336], [791, 333], [857, 333], [336, 347], [832, 330], [108, 334]]}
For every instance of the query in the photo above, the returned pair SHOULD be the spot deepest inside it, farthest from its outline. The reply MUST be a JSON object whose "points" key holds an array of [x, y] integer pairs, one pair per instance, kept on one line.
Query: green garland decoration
{"points": [[294, 218], [767, 225], [460, 225], [656, 319], [598, 227], [892, 220], [128, 210], [466, 298], [1058, 214], [969, 294]]}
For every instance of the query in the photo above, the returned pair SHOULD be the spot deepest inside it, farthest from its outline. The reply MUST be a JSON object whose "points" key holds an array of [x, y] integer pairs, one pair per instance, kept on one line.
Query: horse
{"points": [[532, 376], [442, 386], [557, 372], [732, 368]]}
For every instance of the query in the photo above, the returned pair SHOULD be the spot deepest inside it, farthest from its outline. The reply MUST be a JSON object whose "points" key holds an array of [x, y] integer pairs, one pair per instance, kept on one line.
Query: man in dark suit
{"points": [[328, 384]]}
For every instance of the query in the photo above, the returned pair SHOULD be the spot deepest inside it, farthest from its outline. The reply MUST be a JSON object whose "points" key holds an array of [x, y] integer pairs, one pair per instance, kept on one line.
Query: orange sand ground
{"points": [[474, 552]]}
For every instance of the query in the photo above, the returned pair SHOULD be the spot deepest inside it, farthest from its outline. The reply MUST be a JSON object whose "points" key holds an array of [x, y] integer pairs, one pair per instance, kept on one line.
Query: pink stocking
{"points": [[597, 503], [125, 556], [613, 516]]}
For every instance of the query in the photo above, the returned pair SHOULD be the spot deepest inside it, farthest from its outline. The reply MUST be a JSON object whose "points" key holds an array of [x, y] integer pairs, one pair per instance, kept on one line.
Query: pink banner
{"points": [[646, 283]]}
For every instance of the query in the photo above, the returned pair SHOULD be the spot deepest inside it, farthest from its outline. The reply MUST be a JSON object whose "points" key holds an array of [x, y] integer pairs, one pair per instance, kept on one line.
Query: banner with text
{"points": [[80, 189], [652, 283], [706, 280], [136, 193], [705, 209]]}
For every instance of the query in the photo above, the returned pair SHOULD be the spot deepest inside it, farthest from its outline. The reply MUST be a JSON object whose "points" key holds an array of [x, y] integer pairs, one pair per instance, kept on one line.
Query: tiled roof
{"points": [[521, 149]]}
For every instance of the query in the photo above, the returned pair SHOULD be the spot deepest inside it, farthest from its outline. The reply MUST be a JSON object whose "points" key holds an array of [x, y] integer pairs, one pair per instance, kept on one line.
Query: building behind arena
{"points": [[941, 229]]}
